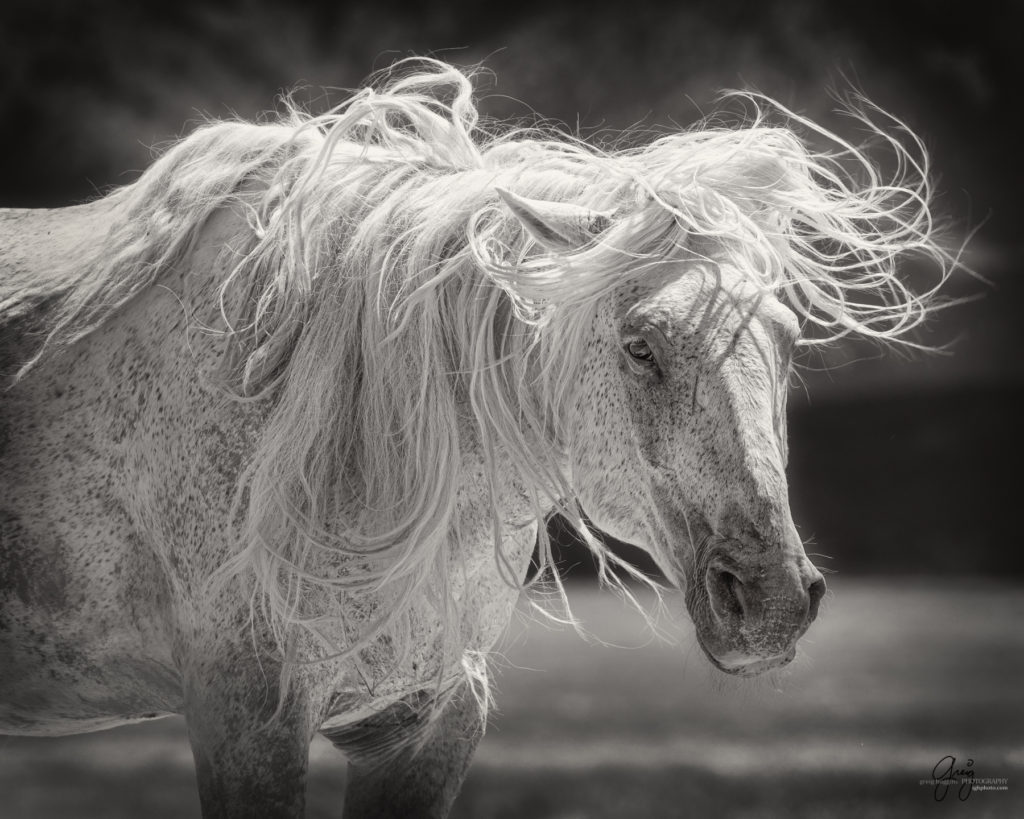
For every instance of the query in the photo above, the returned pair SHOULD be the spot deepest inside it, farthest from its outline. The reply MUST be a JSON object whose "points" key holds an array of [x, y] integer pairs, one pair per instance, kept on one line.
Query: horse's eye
{"points": [[639, 350]]}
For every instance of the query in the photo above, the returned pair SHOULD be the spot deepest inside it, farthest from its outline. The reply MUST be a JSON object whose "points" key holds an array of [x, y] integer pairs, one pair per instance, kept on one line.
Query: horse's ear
{"points": [[558, 226]]}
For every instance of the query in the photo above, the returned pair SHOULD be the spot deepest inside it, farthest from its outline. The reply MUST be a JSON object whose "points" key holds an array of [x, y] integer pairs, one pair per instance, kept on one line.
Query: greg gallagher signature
{"points": [[946, 774]]}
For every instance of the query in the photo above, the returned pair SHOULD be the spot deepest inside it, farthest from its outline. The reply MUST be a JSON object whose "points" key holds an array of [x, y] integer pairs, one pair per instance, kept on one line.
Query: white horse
{"points": [[281, 419]]}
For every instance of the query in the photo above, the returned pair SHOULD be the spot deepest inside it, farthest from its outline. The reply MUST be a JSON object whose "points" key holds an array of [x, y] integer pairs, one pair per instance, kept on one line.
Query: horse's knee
{"points": [[410, 760], [385, 736]]}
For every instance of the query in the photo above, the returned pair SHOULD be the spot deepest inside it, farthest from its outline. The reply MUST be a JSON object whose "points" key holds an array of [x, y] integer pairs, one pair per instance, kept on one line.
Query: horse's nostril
{"points": [[815, 591], [727, 593]]}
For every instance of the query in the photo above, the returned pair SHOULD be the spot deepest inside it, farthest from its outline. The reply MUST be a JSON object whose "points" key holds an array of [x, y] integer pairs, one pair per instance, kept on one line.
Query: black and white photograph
{"points": [[511, 411]]}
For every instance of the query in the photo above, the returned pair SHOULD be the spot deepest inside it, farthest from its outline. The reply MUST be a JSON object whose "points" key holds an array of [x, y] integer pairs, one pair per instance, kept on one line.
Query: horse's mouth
{"points": [[742, 665]]}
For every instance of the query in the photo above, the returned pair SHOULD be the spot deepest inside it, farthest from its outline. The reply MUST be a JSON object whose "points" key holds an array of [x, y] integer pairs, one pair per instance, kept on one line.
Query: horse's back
{"points": [[41, 251]]}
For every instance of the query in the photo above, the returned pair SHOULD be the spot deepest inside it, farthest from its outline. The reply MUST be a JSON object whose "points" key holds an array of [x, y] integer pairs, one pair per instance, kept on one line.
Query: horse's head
{"points": [[679, 446], [682, 450]]}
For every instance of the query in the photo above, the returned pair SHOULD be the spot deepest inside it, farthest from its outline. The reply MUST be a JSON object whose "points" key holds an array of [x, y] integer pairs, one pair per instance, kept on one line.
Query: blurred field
{"points": [[895, 676]]}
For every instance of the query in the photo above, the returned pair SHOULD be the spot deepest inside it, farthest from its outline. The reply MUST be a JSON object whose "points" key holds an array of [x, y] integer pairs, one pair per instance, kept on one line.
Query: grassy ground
{"points": [[894, 677]]}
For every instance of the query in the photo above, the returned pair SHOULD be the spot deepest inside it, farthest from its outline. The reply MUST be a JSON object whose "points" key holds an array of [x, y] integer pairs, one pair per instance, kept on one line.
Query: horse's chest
{"points": [[484, 593]]}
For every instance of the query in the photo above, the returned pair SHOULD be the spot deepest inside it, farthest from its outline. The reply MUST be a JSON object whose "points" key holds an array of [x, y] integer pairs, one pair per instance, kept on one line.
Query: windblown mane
{"points": [[384, 288]]}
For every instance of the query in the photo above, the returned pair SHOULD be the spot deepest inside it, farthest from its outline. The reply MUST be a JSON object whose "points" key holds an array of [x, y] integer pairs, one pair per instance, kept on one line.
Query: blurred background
{"points": [[904, 470]]}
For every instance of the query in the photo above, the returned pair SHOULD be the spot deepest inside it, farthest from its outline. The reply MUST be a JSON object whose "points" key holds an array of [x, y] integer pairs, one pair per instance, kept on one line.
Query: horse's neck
{"points": [[41, 251]]}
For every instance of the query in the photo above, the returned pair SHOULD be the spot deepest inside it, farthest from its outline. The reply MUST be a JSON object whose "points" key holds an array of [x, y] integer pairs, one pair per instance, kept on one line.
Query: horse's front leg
{"points": [[402, 765], [250, 757]]}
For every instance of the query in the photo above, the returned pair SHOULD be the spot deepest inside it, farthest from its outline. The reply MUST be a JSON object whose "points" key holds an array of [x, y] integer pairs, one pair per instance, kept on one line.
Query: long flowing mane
{"points": [[386, 306]]}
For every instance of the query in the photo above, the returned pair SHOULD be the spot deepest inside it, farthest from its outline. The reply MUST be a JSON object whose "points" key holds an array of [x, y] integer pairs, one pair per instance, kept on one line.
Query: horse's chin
{"points": [[741, 665]]}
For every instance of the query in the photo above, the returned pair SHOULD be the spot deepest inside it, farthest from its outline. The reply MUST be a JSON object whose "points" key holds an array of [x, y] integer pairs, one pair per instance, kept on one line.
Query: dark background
{"points": [[897, 465]]}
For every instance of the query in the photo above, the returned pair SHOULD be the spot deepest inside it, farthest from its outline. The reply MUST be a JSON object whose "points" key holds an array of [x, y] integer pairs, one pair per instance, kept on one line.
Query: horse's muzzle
{"points": [[758, 609]]}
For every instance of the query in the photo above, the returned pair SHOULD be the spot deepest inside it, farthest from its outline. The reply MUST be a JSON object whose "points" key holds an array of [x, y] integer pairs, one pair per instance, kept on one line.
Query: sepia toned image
{"points": [[535, 410]]}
